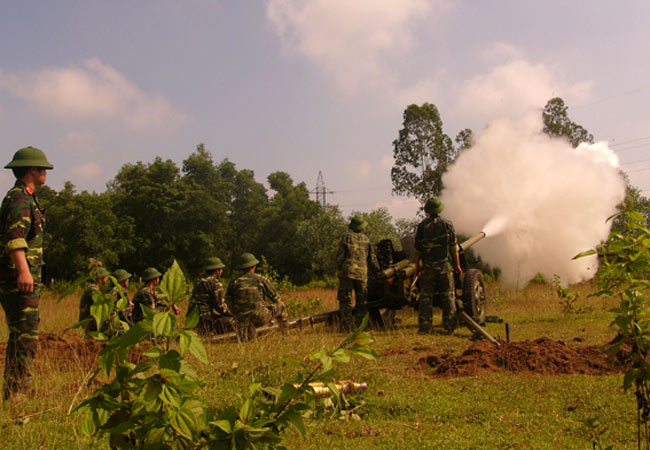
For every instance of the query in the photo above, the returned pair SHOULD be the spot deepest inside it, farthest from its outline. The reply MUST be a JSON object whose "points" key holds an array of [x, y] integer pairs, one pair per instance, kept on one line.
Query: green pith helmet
{"points": [[246, 260], [213, 264], [150, 273], [357, 223], [29, 157], [121, 275], [433, 206], [101, 273]]}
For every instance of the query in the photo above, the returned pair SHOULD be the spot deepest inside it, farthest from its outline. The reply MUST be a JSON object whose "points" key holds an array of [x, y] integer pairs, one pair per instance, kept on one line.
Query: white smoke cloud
{"points": [[92, 90], [540, 201], [352, 42], [510, 90]]}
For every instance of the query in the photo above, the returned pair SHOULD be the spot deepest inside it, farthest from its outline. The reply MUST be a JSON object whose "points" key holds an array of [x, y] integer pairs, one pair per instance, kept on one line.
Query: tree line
{"points": [[154, 212]]}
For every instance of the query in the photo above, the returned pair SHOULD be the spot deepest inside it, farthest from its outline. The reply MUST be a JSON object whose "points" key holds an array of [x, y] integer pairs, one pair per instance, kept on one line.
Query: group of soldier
{"points": [[250, 301]]}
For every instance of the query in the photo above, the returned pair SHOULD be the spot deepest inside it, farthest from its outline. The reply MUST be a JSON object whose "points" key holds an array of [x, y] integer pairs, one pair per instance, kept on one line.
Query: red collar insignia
{"points": [[29, 190]]}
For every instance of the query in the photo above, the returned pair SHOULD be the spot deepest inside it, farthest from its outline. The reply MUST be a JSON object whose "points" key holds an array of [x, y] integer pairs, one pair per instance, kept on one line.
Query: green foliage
{"points": [[296, 308], [558, 124], [173, 285], [568, 298], [422, 153], [625, 273], [145, 396], [282, 284], [318, 239]]}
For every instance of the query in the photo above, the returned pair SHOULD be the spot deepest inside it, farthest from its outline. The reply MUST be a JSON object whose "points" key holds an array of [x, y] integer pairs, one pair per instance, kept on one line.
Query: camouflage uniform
{"points": [[148, 297], [246, 298], [208, 297], [125, 314], [21, 223], [435, 240], [355, 255]]}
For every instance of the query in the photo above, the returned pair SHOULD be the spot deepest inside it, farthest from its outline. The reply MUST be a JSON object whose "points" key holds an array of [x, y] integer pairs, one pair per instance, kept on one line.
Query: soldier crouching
{"points": [[246, 298], [208, 297]]}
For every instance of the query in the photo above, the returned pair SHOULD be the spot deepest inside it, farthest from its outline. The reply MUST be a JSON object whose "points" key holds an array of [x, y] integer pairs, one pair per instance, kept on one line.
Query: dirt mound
{"points": [[61, 350], [543, 356]]}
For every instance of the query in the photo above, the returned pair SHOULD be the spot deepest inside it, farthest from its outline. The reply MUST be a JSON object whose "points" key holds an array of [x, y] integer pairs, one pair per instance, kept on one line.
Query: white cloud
{"points": [[86, 172], [92, 90], [513, 88], [501, 51], [79, 142], [353, 42]]}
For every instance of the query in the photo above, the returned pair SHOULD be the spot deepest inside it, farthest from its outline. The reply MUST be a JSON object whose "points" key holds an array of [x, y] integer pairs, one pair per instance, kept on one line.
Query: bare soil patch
{"points": [[542, 356]]}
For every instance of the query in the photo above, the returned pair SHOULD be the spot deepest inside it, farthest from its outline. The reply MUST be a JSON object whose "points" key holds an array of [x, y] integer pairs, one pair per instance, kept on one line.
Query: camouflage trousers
{"points": [[22, 320], [344, 296], [214, 324], [261, 315], [437, 289]]}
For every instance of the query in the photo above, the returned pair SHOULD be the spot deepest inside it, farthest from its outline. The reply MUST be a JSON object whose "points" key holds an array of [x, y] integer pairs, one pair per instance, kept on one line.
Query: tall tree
{"points": [[422, 153], [380, 226], [557, 123]]}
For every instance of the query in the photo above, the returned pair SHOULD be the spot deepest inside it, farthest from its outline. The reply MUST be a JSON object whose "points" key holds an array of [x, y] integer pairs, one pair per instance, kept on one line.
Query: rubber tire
{"points": [[475, 300]]}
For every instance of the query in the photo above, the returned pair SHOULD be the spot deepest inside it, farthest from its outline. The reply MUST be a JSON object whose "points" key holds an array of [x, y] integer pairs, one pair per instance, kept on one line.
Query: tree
{"points": [[557, 123], [289, 207], [464, 139], [422, 153], [81, 226], [318, 238]]}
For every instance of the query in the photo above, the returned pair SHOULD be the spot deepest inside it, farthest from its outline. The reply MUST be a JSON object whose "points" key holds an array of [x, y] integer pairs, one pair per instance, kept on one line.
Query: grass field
{"points": [[405, 406]]}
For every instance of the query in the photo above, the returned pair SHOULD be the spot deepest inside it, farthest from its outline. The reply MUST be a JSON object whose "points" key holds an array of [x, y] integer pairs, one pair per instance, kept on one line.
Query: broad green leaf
{"points": [[184, 341], [192, 319], [169, 395], [185, 423], [170, 360], [196, 347], [73, 287], [585, 253], [153, 390], [173, 283], [295, 419], [162, 324], [247, 411], [136, 334], [153, 352], [223, 425]]}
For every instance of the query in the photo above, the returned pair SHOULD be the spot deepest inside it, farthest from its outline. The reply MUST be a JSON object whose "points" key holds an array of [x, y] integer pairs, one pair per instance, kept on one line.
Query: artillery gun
{"points": [[396, 287]]}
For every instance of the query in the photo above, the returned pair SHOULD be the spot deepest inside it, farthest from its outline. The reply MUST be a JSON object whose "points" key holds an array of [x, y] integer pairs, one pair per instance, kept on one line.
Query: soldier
{"points": [[246, 299], [435, 246], [21, 223], [122, 277], [148, 296], [208, 297], [355, 256], [98, 284]]}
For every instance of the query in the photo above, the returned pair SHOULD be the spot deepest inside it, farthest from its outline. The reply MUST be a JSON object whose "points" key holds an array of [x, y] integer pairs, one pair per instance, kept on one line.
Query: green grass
{"points": [[405, 406]]}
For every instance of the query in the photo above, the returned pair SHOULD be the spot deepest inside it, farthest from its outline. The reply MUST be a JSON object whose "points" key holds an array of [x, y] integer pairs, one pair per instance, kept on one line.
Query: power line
{"points": [[633, 147], [630, 141], [635, 162]]}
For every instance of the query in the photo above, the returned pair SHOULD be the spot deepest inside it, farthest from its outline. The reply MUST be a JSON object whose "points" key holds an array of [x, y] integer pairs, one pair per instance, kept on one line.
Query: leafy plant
{"points": [[568, 298], [625, 273], [145, 391]]}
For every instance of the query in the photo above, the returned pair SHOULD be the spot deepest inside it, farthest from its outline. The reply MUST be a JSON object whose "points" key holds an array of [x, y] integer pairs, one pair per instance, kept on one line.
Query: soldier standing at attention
{"points": [[208, 297], [355, 256], [148, 296], [435, 246], [98, 284], [246, 298], [21, 222]]}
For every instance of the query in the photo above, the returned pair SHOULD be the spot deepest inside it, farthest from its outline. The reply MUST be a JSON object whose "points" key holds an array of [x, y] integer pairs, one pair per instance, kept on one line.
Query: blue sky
{"points": [[303, 86]]}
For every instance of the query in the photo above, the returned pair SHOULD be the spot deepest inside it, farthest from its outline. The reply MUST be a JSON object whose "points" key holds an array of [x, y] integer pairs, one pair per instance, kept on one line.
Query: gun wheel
{"points": [[475, 300]]}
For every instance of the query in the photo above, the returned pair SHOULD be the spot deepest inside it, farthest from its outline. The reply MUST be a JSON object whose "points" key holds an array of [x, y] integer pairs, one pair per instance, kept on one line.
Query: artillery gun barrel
{"points": [[473, 240], [391, 271]]}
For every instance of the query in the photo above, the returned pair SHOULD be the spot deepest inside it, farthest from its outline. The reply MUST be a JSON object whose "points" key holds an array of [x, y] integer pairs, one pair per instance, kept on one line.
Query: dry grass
{"points": [[405, 407]]}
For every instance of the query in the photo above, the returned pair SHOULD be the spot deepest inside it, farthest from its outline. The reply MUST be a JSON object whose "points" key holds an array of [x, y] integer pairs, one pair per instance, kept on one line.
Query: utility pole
{"points": [[321, 191]]}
